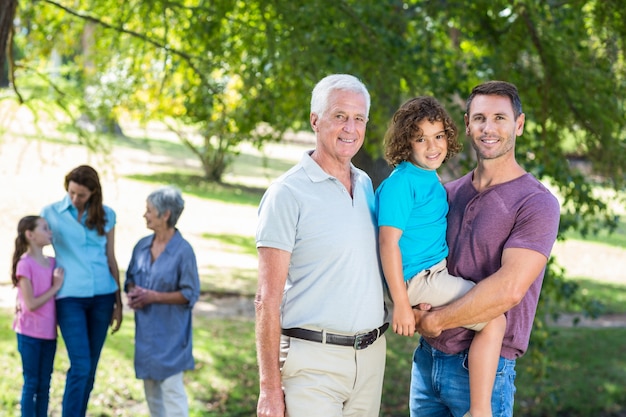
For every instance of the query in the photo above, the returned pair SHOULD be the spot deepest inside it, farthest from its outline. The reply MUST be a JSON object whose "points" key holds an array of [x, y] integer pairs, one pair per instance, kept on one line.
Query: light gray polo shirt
{"points": [[334, 280]]}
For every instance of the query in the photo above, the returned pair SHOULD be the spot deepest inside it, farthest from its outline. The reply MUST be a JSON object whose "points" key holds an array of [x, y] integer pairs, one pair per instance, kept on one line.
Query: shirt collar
{"points": [[176, 238], [411, 166], [315, 172], [66, 204]]}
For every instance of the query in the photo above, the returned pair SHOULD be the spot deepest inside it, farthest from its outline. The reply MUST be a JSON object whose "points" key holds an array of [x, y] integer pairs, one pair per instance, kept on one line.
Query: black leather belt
{"points": [[358, 341]]}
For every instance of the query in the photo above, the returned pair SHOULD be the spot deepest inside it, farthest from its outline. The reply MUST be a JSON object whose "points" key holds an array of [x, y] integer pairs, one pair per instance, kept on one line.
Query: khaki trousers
{"points": [[324, 380]]}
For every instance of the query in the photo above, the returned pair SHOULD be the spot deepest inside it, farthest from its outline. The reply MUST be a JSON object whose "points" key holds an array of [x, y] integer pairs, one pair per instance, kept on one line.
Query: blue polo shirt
{"points": [[163, 332], [80, 251]]}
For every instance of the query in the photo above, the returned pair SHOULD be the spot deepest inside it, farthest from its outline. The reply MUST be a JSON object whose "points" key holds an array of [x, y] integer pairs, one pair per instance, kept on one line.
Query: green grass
{"points": [[237, 243], [231, 280], [587, 376], [611, 295], [232, 190], [196, 185], [223, 383], [615, 238]]}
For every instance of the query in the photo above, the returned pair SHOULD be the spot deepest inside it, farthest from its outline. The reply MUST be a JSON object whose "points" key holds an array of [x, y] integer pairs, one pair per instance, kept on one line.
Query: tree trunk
{"points": [[7, 14], [377, 169]]}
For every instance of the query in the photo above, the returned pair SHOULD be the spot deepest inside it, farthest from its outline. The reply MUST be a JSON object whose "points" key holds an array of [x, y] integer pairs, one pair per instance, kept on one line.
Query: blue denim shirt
{"points": [[163, 332], [80, 251]]}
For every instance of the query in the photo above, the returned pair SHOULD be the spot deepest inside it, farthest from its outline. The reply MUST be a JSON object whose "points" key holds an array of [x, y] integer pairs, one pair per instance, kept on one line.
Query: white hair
{"points": [[168, 198], [346, 82]]}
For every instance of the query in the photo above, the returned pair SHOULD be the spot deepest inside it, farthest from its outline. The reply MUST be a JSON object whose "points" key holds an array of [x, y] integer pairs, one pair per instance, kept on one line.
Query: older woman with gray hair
{"points": [[162, 285]]}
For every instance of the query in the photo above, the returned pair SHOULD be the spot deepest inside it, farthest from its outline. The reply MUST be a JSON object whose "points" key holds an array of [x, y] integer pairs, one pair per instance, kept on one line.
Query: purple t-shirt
{"points": [[521, 213], [40, 323]]}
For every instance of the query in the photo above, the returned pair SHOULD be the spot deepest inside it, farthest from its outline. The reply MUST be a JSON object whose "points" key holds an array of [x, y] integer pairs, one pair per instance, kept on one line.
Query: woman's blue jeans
{"points": [[37, 363], [84, 323], [440, 384]]}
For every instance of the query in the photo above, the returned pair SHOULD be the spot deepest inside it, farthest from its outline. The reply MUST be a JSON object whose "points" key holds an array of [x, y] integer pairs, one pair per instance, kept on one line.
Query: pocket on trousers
{"points": [[285, 347], [464, 357]]}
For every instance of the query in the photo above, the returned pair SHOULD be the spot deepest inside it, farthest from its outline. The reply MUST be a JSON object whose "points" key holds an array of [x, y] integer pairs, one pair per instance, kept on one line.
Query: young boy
{"points": [[411, 208]]}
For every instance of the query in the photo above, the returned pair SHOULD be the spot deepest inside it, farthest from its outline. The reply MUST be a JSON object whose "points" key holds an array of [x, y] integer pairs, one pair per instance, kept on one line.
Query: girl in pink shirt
{"points": [[37, 281]]}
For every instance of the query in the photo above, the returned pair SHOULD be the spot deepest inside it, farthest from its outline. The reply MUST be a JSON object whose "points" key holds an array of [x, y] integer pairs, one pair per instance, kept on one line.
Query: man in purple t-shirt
{"points": [[502, 225]]}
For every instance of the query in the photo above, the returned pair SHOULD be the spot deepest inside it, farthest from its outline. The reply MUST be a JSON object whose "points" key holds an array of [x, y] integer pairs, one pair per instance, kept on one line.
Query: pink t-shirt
{"points": [[40, 323]]}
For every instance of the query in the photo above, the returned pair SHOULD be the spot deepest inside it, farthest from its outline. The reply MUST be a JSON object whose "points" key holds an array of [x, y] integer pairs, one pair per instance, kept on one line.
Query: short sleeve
{"points": [[23, 269], [278, 219], [537, 224], [189, 280], [111, 219], [394, 202]]}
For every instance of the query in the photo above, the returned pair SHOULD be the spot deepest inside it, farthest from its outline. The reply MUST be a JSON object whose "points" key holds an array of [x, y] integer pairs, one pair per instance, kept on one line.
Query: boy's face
{"points": [[429, 150]]}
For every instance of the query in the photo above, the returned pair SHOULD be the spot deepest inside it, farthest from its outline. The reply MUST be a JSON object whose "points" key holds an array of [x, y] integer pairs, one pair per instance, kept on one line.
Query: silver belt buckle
{"points": [[363, 340]]}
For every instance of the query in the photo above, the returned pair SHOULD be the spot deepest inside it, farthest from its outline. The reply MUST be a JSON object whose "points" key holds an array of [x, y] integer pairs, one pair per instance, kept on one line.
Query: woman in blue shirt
{"points": [[83, 231], [163, 285]]}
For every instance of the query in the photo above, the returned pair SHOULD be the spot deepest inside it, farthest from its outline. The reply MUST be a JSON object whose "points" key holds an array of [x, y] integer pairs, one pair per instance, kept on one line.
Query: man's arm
{"points": [[491, 297], [273, 269]]}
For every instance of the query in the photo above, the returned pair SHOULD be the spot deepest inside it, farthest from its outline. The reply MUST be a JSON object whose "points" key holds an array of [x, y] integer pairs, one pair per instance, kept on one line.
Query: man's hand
{"points": [[271, 403], [424, 321]]}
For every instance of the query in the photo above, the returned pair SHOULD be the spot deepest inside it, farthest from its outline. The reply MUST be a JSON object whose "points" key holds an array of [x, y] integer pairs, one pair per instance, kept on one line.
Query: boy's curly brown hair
{"points": [[404, 127]]}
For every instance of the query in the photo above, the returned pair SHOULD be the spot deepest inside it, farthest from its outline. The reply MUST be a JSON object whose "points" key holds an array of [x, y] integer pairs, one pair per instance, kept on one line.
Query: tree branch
{"points": [[20, 99], [160, 44]]}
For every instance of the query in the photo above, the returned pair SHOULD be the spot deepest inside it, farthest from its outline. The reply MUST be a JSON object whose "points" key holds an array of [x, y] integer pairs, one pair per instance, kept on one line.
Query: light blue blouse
{"points": [[163, 332], [80, 251]]}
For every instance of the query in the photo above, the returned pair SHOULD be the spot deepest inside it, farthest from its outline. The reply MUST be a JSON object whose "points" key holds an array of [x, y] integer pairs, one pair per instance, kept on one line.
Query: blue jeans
{"points": [[37, 363], [440, 384], [84, 323]]}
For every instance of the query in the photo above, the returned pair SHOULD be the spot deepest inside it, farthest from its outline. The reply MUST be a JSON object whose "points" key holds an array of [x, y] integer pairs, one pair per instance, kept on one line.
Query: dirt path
{"points": [[32, 172]]}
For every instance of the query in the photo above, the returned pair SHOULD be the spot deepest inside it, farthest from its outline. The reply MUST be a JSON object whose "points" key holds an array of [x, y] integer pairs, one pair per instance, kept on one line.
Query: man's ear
{"points": [[519, 124], [314, 118]]}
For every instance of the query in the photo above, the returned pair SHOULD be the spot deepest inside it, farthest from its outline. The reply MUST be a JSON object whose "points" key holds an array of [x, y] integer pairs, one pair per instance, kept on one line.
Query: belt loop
{"points": [[324, 336]]}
